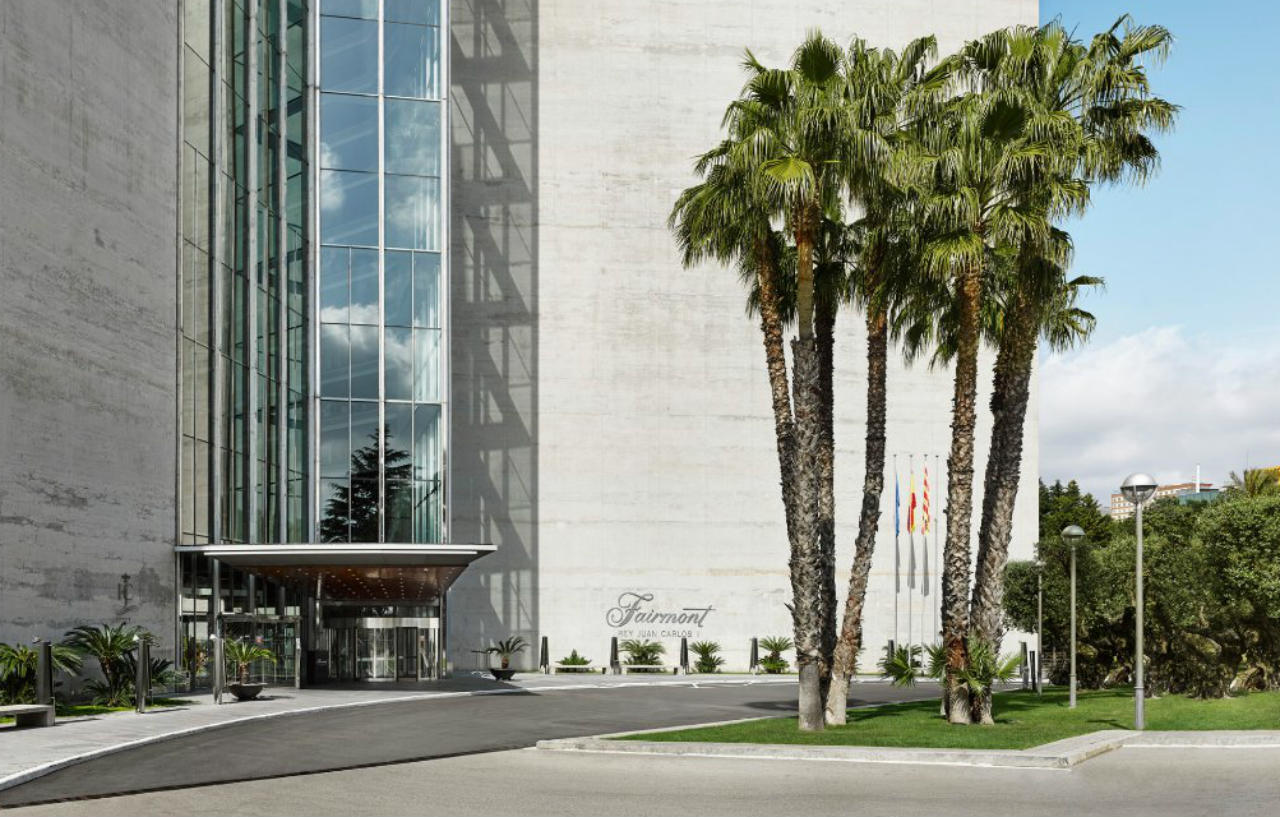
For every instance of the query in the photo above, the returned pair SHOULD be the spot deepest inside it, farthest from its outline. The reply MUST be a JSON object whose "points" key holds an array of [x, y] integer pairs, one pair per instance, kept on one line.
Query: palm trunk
{"points": [[844, 661], [826, 321], [806, 554], [1004, 469], [956, 553], [779, 388], [806, 561]]}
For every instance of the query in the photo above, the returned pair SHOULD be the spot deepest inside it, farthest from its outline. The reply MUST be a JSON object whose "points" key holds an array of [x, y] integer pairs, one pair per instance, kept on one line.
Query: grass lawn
{"points": [[1023, 720], [86, 710]]}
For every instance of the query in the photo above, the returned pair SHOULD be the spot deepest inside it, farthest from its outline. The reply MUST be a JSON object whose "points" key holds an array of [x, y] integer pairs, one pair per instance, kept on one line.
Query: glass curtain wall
{"points": [[244, 296], [381, 222]]}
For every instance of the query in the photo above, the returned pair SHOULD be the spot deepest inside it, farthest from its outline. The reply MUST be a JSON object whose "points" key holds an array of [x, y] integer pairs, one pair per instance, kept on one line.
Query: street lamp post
{"points": [[1138, 488], [1039, 662], [1071, 535]]}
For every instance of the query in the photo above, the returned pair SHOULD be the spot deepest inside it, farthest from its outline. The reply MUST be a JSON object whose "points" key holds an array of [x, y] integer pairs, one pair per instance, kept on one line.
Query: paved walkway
{"points": [[1170, 782], [29, 753]]}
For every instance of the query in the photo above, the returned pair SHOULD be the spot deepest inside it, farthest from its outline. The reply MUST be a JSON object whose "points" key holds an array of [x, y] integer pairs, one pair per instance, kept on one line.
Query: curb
{"points": [[34, 772], [1059, 755]]}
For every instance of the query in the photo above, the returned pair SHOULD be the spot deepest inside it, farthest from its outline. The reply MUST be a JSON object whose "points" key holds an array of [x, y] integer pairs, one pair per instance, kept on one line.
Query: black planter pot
{"points": [[245, 692], [503, 674]]}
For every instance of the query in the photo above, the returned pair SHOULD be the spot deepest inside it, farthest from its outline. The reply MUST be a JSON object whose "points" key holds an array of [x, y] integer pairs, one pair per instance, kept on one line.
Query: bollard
{"points": [[544, 657], [614, 665], [1026, 670], [754, 665], [1035, 671], [684, 655], [219, 669], [142, 675], [44, 674]]}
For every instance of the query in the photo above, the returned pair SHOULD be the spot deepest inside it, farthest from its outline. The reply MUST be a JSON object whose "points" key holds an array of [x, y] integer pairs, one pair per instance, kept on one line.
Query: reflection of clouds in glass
{"points": [[333, 314], [413, 212], [364, 313], [328, 156], [332, 194], [398, 364], [413, 137]]}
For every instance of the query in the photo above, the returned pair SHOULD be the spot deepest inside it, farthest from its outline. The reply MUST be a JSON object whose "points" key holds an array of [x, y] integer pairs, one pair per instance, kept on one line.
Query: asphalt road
{"points": [[413, 730], [1167, 782]]}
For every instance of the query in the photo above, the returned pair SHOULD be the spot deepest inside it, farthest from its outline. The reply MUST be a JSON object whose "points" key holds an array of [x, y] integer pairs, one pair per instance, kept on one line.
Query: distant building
{"points": [[1185, 492]]}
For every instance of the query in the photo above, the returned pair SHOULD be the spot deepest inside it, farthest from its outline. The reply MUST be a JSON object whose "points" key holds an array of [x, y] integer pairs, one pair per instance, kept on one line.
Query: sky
{"points": [[1184, 366]]}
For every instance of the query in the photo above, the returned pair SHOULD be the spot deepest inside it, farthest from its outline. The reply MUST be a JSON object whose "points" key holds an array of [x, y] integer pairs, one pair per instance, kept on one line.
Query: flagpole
{"points": [[911, 545], [937, 608], [897, 559]]}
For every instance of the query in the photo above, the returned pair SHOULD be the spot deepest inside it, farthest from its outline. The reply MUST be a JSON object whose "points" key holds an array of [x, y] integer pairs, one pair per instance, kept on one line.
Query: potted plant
{"points": [[504, 650], [774, 663], [241, 654]]}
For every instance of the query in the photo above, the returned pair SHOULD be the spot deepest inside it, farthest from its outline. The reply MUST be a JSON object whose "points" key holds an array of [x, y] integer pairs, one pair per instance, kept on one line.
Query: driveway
{"points": [[415, 730]]}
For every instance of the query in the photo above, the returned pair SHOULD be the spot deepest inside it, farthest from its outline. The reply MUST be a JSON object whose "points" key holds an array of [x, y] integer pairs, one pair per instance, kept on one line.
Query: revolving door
{"points": [[384, 648]]}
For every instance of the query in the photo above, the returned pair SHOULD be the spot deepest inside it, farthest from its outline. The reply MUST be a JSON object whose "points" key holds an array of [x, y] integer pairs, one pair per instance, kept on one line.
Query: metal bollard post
{"points": [[44, 674], [142, 676], [219, 669], [684, 655], [615, 666], [544, 657], [1026, 670], [754, 664]]}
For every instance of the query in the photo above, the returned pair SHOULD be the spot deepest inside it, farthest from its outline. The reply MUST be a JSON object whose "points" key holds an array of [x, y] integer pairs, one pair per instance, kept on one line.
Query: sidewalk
{"points": [[29, 753]]}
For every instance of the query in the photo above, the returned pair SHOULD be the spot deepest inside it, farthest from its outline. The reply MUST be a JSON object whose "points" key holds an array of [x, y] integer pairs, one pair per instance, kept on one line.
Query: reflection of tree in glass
{"points": [[353, 508]]}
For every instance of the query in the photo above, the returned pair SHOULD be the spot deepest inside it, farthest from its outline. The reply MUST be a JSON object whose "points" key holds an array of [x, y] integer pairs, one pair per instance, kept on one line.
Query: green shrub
{"points": [[641, 653], [709, 659], [575, 660], [773, 663]]}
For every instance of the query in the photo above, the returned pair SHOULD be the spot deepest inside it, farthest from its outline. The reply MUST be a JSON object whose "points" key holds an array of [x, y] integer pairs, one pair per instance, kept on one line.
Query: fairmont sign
{"points": [[634, 610]]}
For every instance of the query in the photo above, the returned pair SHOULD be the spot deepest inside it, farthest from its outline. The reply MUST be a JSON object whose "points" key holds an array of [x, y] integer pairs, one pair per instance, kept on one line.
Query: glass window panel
{"points": [[335, 445], [364, 440], [399, 364], [426, 370], [413, 137], [351, 8], [348, 207], [364, 286], [426, 512], [364, 510], [334, 348], [426, 442], [334, 510], [423, 12], [399, 439], [413, 212], [333, 285], [398, 286], [348, 132], [426, 289], [364, 362], [348, 55], [411, 61], [399, 506]]}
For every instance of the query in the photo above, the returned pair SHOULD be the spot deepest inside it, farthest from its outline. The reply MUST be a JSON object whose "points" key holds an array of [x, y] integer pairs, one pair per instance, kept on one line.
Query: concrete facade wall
{"points": [[87, 315], [612, 428]]}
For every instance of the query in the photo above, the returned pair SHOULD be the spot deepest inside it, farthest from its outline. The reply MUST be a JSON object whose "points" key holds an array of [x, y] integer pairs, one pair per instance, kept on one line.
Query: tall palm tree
{"points": [[887, 90], [981, 157], [1102, 94], [792, 136]]}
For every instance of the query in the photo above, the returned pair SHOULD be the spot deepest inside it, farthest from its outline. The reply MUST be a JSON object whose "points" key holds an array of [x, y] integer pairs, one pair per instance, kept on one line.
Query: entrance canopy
{"points": [[376, 572]]}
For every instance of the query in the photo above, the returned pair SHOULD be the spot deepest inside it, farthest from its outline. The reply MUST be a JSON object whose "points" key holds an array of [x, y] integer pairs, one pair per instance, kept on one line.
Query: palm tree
{"points": [[111, 646], [19, 664], [1102, 94], [790, 139], [979, 161], [886, 92], [1255, 482], [242, 654]]}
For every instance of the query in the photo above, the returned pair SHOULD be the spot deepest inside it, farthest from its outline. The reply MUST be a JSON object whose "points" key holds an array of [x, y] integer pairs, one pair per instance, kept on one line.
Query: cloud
{"points": [[1159, 401]]}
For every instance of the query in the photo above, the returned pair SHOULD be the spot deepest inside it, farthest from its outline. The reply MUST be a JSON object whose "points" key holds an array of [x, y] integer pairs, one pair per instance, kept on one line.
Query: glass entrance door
{"points": [[375, 654], [407, 653]]}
